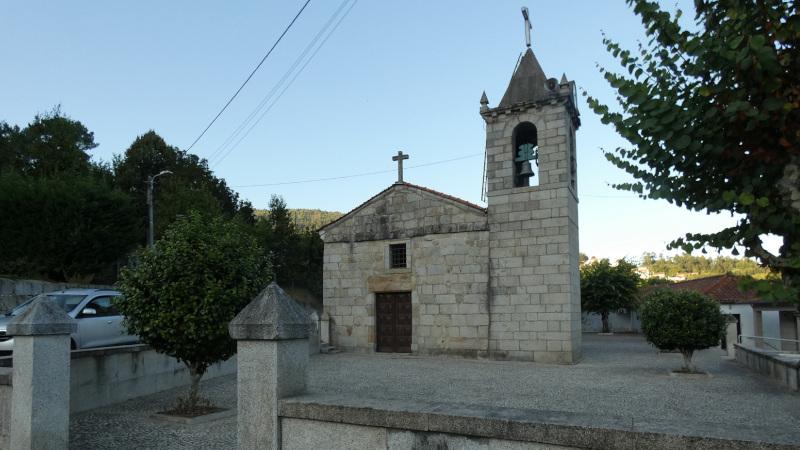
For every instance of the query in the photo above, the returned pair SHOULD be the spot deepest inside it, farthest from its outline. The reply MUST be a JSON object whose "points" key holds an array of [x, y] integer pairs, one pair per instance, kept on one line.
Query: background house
{"points": [[754, 316]]}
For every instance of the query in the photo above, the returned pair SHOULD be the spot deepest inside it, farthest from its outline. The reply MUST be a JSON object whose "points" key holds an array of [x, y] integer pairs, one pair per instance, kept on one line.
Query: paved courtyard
{"points": [[619, 375]]}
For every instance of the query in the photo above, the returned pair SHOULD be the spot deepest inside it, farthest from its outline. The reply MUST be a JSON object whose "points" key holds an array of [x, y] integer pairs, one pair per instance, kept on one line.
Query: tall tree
{"points": [[712, 113], [191, 186], [60, 216], [52, 144], [294, 251], [66, 229], [606, 288], [278, 235]]}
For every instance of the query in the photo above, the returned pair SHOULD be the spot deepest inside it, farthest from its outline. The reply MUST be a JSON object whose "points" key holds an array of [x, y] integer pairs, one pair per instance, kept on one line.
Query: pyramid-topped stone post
{"points": [[272, 344], [40, 397]]}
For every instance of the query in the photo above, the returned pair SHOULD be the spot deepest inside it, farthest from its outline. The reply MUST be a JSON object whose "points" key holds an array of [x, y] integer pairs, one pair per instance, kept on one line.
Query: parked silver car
{"points": [[99, 322]]}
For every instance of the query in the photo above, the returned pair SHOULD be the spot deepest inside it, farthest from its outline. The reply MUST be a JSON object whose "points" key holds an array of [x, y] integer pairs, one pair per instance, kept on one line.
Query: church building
{"points": [[413, 270]]}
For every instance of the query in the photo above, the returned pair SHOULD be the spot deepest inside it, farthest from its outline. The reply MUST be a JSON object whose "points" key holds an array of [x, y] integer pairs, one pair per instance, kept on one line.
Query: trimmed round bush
{"points": [[682, 320], [181, 294]]}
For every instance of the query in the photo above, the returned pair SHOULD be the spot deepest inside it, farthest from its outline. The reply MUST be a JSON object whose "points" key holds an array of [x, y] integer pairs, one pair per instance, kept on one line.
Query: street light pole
{"points": [[151, 180]]}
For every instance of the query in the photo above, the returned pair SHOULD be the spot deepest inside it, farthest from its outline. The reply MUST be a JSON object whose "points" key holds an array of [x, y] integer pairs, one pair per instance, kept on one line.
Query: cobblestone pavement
{"points": [[619, 375]]}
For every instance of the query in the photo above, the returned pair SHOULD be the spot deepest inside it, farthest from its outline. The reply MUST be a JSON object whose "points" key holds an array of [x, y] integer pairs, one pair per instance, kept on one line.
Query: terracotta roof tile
{"points": [[722, 288]]}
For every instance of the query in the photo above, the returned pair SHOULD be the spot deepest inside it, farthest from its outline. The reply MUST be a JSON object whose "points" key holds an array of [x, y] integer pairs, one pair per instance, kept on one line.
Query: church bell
{"points": [[525, 169]]}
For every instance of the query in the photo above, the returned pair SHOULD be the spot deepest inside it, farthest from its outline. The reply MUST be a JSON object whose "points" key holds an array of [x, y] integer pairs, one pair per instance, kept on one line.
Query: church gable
{"points": [[403, 211]]}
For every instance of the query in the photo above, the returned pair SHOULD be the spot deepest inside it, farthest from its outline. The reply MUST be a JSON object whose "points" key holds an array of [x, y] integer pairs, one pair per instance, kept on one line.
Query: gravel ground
{"points": [[619, 375]]}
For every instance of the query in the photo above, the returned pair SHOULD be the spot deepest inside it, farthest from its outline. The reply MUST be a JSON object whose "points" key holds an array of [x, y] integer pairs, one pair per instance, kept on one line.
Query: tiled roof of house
{"points": [[722, 288], [405, 184]]}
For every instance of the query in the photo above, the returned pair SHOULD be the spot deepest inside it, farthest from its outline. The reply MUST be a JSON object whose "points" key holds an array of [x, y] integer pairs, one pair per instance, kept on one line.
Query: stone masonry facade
{"points": [[447, 273], [535, 284], [500, 282]]}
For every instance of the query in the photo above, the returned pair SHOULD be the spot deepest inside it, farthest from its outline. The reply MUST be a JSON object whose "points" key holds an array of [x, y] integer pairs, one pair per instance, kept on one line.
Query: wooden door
{"points": [[393, 321]]}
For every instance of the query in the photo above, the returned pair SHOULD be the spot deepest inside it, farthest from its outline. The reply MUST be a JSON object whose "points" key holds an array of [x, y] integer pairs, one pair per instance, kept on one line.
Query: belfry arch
{"points": [[525, 149]]}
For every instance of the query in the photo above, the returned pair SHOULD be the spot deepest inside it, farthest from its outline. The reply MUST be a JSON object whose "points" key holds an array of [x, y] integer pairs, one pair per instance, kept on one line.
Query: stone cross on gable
{"points": [[399, 158]]}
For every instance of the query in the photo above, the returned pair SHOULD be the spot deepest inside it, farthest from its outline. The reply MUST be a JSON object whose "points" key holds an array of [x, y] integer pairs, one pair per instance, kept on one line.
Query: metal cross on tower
{"points": [[399, 158], [527, 26]]}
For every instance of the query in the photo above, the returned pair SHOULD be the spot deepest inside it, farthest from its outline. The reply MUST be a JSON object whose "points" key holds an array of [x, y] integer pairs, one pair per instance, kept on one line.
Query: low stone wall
{"points": [[314, 421], [103, 376], [100, 377], [13, 291], [785, 370]]}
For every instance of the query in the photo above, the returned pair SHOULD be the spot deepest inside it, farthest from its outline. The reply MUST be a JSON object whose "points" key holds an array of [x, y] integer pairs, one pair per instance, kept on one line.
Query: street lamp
{"points": [[150, 182]]}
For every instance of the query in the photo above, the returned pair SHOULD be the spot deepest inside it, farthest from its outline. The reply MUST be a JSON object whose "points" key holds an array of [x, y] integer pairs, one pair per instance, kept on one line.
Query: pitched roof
{"points": [[722, 288], [446, 196], [405, 184], [528, 83]]}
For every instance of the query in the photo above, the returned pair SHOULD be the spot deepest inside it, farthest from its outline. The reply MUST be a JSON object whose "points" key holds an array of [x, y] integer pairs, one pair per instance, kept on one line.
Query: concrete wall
{"points": [[535, 283], [630, 322], [447, 278], [788, 330], [783, 369], [301, 434], [626, 322], [5, 407], [772, 324], [100, 377], [325, 421], [13, 291]]}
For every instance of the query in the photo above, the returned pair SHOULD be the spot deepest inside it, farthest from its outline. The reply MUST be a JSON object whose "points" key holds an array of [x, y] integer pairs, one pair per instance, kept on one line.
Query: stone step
{"points": [[325, 348]]}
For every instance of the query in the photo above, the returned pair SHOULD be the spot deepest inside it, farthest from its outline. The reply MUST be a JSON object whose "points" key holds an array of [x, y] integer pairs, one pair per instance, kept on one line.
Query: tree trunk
{"points": [[606, 328], [687, 360], [196, 373]]}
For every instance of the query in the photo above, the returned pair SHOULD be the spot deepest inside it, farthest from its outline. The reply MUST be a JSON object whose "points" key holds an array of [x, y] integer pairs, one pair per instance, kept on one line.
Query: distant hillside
{"points": [[308, 218]]}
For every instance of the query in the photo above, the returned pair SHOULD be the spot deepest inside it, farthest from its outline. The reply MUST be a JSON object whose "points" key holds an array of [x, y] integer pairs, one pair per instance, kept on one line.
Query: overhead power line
{"points": [[378, 172], [222, 154], [364, 174], [230, 143], [251, 74]]}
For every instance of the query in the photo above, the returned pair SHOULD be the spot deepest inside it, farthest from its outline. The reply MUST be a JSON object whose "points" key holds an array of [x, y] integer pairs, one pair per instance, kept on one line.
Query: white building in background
{"points": [[754, 317]]}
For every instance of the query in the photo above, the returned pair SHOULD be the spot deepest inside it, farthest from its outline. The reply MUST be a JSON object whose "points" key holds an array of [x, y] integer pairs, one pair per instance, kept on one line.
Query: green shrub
{"points": [[682, 320], [180, 295]]}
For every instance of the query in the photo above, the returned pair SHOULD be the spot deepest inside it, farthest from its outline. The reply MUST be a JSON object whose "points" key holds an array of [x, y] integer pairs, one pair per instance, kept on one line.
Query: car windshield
{"points": [[67, 302]]}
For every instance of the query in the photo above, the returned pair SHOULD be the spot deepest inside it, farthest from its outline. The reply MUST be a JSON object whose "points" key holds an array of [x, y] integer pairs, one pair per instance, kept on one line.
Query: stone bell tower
{"points": [[534, 298]]}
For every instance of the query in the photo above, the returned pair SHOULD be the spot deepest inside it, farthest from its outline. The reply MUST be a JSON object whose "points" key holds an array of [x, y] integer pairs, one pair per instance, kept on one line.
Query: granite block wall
{"points": [[447, 277], [533, 239]]}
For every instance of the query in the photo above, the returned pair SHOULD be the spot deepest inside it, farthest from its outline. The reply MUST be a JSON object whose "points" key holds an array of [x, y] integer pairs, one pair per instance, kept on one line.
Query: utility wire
{"points": [[247, 121], [314, 180], [377, 172], [288, 85], [251, 74]]}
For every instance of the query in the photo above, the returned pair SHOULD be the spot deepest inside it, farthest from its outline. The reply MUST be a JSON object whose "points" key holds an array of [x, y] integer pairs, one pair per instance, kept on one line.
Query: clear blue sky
{"points": [[394, 75]]}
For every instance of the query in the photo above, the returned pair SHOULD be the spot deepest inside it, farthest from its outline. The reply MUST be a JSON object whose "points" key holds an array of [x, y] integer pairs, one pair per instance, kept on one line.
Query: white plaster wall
{"points": [[627, 322], [746, 317]]}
